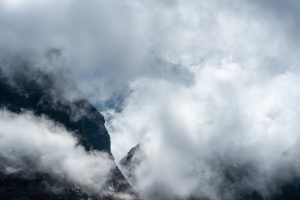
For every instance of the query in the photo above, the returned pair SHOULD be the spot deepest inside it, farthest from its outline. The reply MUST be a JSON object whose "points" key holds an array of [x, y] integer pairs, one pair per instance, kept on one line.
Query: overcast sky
{"points": [[194, 81]]}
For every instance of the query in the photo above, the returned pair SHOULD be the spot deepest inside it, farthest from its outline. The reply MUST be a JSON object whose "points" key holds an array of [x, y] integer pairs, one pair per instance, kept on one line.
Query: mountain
{"points": [[37, 92], [130, 162], [237, 181]]}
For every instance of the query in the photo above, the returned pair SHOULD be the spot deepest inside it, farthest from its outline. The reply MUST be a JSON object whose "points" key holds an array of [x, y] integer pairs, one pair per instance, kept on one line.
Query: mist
{"points": [[190, 135], [31, 145], [202, 86]]}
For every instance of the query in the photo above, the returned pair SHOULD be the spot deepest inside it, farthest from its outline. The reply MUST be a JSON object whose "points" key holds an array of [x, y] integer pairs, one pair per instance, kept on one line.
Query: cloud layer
{"points": [[229, 118], [36, 145], [201, 85]]}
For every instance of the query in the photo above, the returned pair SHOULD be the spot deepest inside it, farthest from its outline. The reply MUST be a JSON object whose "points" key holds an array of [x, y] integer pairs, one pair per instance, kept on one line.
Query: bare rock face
{"points": [[37, 92], [130, 162]]}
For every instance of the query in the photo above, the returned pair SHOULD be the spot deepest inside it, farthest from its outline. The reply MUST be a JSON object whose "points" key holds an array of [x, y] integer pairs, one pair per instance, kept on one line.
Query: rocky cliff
{"points": [[33, 90]]}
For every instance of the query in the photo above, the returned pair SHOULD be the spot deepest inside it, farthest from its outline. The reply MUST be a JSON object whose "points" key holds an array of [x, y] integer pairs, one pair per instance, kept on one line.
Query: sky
{"points": [[199, 84]]}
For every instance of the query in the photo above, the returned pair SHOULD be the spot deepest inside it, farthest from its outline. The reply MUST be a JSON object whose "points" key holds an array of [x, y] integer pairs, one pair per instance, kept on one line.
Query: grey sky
{"points": [[202, 80]]}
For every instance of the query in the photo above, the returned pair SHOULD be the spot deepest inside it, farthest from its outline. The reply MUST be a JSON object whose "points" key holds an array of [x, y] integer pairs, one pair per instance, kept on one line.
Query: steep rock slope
{"points": [[130, 162], [34, 91]]}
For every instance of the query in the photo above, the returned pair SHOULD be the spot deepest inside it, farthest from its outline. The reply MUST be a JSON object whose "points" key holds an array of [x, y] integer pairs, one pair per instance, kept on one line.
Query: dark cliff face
{"points": [[34, 91]]}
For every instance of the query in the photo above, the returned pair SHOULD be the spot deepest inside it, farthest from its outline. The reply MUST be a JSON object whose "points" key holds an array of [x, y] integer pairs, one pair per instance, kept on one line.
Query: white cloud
{"points": [[230, 115], [238, 62], [36, 145]]}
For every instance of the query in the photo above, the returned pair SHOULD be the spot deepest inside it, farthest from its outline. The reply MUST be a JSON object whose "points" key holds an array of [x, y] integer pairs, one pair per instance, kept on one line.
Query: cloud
{"points": [[240, 112], [36, 145], [231, 117], [101, 44], [115, 43], [201, 85]]}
